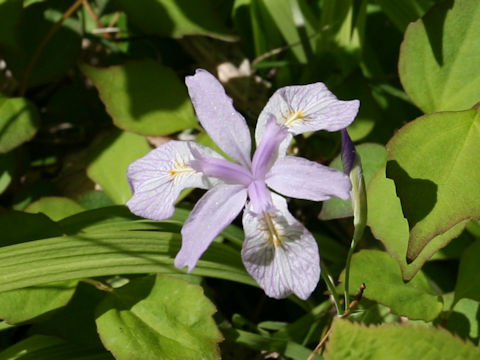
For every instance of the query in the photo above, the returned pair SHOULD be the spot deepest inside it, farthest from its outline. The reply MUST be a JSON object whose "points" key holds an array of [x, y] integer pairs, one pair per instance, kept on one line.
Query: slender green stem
{"points": [[357, 235], [331, 288]]}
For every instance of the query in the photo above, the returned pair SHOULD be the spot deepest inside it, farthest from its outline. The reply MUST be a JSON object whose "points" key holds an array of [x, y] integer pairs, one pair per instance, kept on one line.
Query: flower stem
{"points": [[331, 288], [357, 235]]}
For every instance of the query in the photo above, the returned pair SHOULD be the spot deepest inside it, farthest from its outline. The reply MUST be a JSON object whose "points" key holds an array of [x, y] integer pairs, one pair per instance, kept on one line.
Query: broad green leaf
{"points": [[94, 199], [22, 305], [10, 12], [435, 62], [468, 281], [436, 172], [56, 208], [100, 254], [36, 22], [384, 284], [463, 317], [350, 341], [386, 220], [176, 18], [373, 157], [41, 347], [143, 97], [158, 317], [401, 13], [109, 162], [19, 121], [18, 227], [7, 169]]}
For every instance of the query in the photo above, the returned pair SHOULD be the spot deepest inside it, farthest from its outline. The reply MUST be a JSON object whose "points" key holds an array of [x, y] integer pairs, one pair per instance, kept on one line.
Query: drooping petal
{"points": [[212, 213], [217, 115], [267, 149], [304, 108], [304, 179], [279, 252], [158, 178]]}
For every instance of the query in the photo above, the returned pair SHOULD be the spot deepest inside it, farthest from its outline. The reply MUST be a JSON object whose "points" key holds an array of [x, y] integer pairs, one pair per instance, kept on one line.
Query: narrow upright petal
{"points": [[304, 108], [212, 213], [266, 151], [219, 118], [158, 178], [279, 252], [348, 152], [304, 179], [222, 169]]}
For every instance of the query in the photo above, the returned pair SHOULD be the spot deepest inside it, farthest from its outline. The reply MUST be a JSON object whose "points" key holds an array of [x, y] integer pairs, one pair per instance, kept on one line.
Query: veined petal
{"points": [[279, 252], [304, 108], [304, 179], [267, 150], [217, 115], [212, 213], [158, 178]]}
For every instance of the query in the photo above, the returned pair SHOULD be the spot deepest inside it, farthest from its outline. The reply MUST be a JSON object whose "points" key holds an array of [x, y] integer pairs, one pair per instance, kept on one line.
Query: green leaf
{"points": [[56, 208], [41, 347], [36, 22], [395, 342], [148, 319], [109, 162], [384, 283], [435, 62], [10, 12], [386, 220], [22, 305], [463, 316], [176, 18], [437, 182], [7, 170], [373, 157], [99, 254], [402, 13], [143, 97], [19, 121], [15, 231], [468, 281]]}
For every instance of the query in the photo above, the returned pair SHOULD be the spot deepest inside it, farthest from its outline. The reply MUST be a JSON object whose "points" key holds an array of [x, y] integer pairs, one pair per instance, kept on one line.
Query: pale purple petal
{"points": [[217, 115], [260, 196], [266, 151], [212, 213], [304, 108], [222, 169], [348, 152], [304, 179], [158, 178], [280, 253]]}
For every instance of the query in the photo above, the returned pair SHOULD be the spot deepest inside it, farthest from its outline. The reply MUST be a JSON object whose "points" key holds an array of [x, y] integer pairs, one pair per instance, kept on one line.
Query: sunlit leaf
{"points": [[468, 281], [56, 208], [435, 62], [436, 172], [19, 121], [143, 97], [148, 319], [350, 341], [110, 160], [384, 283]]}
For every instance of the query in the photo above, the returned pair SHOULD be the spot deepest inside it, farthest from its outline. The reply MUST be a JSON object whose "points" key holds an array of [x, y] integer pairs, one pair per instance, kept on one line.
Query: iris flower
{"points": [[278, 251]]}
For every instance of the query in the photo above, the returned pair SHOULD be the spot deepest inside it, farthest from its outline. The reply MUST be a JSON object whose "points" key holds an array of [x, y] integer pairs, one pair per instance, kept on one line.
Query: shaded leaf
{"points": [[395, 342], [402, 13], [19, 121], [143, 97], [468, 281], [110, 160], [384, 284], [436, 57], [10, 11], [147, 319], [7, 170]]}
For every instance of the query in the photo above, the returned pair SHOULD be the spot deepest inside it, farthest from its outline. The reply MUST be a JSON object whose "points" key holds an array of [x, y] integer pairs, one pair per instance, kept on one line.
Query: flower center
{"points": [[293, 117], [179, 168], [274, 230]]}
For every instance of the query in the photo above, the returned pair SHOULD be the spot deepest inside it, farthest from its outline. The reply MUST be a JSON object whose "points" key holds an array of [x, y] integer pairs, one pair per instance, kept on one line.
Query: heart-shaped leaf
{"points": [[147, 319]]}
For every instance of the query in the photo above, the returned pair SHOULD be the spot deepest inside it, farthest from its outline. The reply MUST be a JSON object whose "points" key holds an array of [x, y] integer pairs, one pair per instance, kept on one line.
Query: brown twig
{"points": [[41, 46], [353, 304], [94, 16]]}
